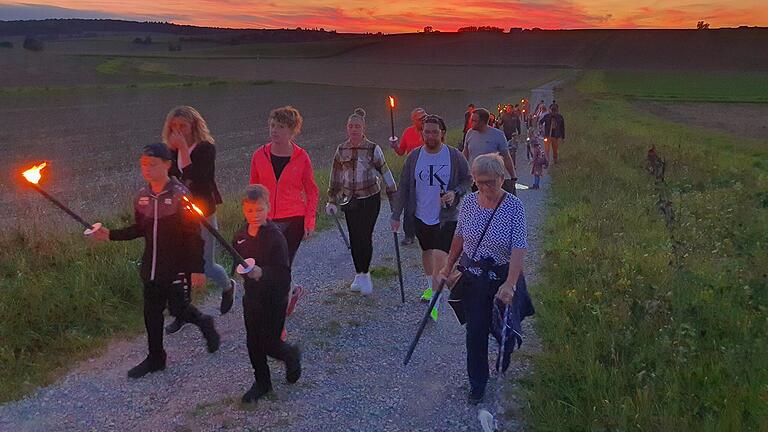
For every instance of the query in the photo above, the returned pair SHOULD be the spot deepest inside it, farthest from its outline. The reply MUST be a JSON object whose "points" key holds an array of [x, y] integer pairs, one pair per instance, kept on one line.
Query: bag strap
{"points": [[487, 224]]}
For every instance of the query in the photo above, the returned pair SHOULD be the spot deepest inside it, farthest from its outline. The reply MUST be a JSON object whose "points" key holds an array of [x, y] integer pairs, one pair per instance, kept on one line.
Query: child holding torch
{"points": [[262, 244], [172, 259]]}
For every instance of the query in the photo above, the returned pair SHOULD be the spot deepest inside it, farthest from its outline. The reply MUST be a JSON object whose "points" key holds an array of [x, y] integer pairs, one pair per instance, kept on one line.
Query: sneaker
{"points": [[175, 326], [426, 295], [212, 339], [149, 365], [296, 294], [407, 241], [355, 287], [228, 297], [475, 396], [293, 366], [255, 393], [366, 285]]}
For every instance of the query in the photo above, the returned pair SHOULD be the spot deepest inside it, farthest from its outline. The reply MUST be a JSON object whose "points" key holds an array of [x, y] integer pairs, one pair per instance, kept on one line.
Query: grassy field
{"points": [[652, 323], [679, 85]]}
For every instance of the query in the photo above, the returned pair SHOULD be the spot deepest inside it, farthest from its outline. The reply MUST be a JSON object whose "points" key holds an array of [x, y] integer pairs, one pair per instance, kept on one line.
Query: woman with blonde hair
{"points": [[186, 134], [357, 165]]}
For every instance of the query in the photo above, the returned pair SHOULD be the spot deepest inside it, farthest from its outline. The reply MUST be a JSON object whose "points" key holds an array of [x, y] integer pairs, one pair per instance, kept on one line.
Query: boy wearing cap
{"points": [[267, 285], [173, 255]]}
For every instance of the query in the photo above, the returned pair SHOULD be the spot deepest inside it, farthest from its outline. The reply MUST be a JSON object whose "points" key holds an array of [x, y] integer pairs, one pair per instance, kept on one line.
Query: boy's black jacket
{"points": [[270, 251], [171, 232]]}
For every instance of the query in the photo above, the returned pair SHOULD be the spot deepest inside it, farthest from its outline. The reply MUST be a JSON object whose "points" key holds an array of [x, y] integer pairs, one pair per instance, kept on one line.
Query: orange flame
{"points": [[391, 102], [33, 174], [191, 206]]}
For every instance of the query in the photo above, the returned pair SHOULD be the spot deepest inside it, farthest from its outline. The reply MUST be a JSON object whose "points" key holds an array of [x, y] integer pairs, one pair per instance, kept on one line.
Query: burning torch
{"points": [[244, 266], [33, 176], [392, 138]]}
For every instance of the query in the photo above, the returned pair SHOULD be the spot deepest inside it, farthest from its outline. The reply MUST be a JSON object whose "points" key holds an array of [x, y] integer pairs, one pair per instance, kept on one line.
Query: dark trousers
{"points": [[293, 230], [264, 314], [360, 223], [478, 309], [409, 226], [173, 295]]}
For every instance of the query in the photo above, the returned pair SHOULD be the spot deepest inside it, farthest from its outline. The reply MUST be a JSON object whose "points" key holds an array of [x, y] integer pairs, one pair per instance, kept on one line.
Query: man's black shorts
{"points": [[437, 236]]}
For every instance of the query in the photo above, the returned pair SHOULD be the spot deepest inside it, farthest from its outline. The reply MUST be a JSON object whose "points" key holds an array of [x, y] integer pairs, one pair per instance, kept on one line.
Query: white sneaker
{"points": [[357, 282], [366, 285]]}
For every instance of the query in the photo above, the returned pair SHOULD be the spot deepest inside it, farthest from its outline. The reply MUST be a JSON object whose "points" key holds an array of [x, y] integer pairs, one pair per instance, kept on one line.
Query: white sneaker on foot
{"points": [[366, 285], [357, 282]]}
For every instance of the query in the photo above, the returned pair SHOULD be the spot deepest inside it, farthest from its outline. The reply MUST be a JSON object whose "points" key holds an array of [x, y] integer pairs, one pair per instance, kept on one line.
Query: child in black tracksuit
{"points": [[266, 292], [173, 255]]}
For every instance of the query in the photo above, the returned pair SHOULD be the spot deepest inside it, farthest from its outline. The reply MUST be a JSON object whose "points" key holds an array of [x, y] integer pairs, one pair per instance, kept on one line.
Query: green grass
{"points": [[648, 326], [679, 85], [110, 66]]}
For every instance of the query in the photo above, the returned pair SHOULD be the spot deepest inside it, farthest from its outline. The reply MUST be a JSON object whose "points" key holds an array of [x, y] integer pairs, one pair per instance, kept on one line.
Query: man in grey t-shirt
{"points": [[483, 139]]}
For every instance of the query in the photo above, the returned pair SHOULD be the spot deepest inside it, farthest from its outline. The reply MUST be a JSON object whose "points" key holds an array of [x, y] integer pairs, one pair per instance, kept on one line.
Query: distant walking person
{"points": [[433, 180], [538, 165], [186, 134], [489, 245], [285, 170], [357, 165], [411, 139], [554, 132], [483, 139], [266, 293], [510, 125]]}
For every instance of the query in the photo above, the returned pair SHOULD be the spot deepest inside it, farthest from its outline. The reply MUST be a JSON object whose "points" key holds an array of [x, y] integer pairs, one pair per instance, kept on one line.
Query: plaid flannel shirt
{"points": [[356, 170]]}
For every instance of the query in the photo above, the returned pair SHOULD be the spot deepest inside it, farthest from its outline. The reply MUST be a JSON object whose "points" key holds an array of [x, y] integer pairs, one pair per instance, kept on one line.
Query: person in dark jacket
{"points": [[554, 131], [172, 259], [267, 286], [186, 134]]}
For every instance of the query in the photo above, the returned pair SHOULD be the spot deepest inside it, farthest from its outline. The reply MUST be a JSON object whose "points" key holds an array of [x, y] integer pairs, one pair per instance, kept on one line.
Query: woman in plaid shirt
{"points": [[357, 166]]}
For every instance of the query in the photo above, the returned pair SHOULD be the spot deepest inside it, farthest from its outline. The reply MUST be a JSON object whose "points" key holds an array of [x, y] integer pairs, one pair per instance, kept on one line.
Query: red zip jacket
{"points": [[296, 194]]}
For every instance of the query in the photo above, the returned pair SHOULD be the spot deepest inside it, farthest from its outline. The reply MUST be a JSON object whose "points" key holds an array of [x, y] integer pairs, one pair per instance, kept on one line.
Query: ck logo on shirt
{"points": [[433, 174], [167, 201]]}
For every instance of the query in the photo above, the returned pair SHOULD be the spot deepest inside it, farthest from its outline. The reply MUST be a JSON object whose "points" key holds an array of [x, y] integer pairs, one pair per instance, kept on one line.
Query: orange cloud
{"points": [[406, 16]]}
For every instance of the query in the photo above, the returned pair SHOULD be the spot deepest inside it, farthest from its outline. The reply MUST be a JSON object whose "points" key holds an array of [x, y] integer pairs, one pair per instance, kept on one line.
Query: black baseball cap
{"points": [[158, 150]]}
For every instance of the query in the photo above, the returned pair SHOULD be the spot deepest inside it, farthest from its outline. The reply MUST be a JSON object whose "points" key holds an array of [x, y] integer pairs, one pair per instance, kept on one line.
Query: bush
{"points": [[33, 44]]}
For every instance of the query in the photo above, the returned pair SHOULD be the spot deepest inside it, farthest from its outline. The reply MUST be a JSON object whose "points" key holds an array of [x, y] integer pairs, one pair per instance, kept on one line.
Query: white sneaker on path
{"points": [[357, 282], [366, 285]]}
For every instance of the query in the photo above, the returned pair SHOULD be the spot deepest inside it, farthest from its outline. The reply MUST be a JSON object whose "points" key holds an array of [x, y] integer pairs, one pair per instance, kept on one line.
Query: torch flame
{"points": [[33, 174], [191, 206], [391, 102]]}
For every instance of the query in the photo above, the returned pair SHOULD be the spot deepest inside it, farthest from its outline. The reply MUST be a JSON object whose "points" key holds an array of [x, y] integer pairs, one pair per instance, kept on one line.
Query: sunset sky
{"points": [[395, 16]]}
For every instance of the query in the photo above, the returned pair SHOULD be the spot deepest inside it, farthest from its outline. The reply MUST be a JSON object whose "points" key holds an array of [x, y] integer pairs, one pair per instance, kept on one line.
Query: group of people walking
{"points": [[483, 231]]}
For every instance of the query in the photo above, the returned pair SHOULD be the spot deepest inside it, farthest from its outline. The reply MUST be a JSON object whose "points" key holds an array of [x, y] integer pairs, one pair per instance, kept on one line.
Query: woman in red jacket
{"points": [[285, 170]]}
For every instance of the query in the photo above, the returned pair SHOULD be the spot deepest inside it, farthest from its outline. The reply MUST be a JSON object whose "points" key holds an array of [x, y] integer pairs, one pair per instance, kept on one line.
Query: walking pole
{"points": [[423, 324], [399, 267], [341, 231]]}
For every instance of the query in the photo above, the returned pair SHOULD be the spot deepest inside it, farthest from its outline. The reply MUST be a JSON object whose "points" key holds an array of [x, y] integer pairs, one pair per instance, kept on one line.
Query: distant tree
{"points": [[148, 40], [174, 46], [428, 29], [702, 25], [516, 30], [6, 44], [491, 29], [138, 41], [33, 44]]}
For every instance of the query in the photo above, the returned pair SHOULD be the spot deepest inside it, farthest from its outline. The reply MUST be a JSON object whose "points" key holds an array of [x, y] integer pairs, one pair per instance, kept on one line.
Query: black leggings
{"points": [[360, 222], [293, 230]]}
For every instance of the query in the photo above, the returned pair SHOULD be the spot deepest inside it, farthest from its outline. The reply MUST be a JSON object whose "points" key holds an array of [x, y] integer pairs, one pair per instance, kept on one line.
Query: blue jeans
{"points": [[213, 271]]}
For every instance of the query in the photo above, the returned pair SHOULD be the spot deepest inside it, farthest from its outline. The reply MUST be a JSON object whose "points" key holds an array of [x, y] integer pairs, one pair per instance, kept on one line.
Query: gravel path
{"points": [[353, 378]]}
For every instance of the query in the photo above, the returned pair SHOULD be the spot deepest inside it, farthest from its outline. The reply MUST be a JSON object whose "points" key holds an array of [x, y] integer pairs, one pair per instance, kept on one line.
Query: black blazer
{"points": [[200, 176]]}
